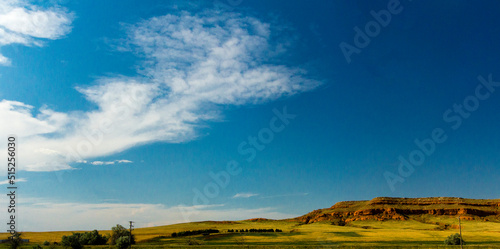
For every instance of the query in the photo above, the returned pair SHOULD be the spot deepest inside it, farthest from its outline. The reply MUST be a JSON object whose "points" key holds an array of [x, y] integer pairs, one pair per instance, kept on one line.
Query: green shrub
{"points": [[122, 242], [15, 240], [193, 242], [454, 239], [72, 241], [339, 222], [117, 232], [93, 238], [78, 240], [36, 247], [46, 243]]}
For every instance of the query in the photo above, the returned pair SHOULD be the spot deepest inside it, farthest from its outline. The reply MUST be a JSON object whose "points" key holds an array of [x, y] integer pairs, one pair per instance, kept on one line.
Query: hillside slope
{"points": [[387, 222]]}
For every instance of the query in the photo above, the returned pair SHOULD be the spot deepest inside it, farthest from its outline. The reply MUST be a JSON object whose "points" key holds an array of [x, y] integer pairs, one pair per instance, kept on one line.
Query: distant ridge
{"points": [[389, 208], [259, 219]]}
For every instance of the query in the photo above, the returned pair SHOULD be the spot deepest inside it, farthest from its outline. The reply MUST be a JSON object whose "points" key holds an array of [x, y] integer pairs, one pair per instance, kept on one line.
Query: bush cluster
{"points": [[122, 242], [78, 240], [454, 239], [253, 230], [15, 240], [72, 241], [120, 231], [194, 232], [36, 247], [338, 222], [120, 237]]}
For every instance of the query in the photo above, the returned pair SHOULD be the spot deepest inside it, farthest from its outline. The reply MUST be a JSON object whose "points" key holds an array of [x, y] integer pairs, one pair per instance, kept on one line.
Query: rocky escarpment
{"points": [[387, 208]]}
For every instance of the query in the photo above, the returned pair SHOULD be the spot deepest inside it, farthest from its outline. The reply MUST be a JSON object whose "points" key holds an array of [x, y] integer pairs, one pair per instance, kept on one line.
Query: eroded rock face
{"points": [[387, 208]]}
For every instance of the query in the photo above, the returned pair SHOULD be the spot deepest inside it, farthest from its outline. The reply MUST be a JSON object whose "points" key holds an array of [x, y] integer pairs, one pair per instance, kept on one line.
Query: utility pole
{"points": [[130, 234], [460, 227]]}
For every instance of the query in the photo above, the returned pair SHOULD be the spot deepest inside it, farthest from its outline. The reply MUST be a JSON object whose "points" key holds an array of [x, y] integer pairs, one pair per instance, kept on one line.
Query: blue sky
{"points": [[128, 110]]}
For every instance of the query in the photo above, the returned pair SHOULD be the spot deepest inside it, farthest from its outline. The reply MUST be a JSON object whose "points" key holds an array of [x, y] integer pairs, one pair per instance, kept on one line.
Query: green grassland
{"points": [[417, 232]]}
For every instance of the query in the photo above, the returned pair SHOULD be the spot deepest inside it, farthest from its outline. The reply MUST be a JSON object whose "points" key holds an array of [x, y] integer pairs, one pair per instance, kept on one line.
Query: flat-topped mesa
{"points": [[434, 200], [346, 204], [390, 208]]}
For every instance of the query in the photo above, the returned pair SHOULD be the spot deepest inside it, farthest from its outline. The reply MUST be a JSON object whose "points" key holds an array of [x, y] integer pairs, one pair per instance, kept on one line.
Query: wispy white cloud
{"points": [[193, 64], [4, 60], [39, 214], [284, 195], [16, 180], [101, 163], [244, 195], [29, 24], [109, 162]]}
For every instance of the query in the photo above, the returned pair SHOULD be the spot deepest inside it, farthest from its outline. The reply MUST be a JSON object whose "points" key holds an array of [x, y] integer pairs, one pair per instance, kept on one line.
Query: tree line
{"points": [[253, 230], [209, 231], [120, 237], [195, 232]]}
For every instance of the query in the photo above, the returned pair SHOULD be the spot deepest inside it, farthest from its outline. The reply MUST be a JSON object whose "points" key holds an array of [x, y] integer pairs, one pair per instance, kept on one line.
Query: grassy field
{"points": [[414, 233]]}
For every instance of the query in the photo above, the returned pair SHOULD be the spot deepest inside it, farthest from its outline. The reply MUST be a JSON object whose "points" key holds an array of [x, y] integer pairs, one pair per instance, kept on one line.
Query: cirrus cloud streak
{"points": [[192, 65], [28, 24]]}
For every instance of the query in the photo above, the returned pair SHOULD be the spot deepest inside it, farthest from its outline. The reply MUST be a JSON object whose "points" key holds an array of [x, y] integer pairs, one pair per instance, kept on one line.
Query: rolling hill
{"points": [[381, 221]]}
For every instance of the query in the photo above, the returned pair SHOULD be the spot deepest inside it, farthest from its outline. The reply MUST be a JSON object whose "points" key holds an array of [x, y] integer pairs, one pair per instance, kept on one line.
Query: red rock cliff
{"points": [[387, 208]]}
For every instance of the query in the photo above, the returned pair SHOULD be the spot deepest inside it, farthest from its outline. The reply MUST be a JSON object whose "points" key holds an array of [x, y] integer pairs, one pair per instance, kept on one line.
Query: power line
{"points": [[130, 234], [460, 227]]}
